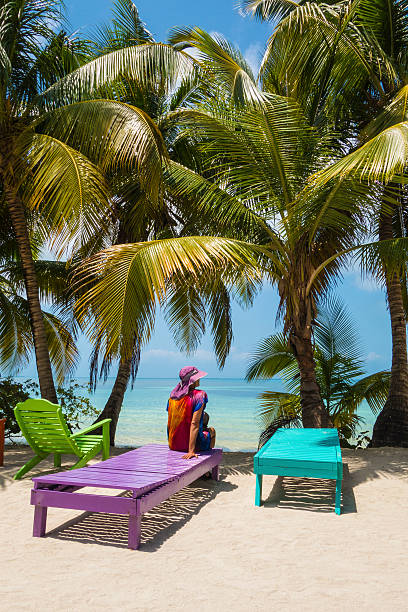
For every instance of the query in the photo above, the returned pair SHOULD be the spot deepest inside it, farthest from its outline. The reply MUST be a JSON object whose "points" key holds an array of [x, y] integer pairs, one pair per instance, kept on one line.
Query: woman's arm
{"points": [[194, 427]]}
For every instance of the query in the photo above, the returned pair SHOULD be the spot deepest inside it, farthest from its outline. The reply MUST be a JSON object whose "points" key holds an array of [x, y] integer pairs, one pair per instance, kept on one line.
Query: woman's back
{"points": [[180, 415]]}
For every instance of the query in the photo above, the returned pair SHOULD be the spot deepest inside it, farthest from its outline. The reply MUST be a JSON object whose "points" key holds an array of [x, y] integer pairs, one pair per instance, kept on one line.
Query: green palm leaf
{"points": [[115, 136], [130, 279], [372, 388], [272, 356], [276, 406], [225, 62], [185, 315], [125, 30], [70, 191], [269, 10], [217, 206], [152, 65], [63, 351], [383, 158]]}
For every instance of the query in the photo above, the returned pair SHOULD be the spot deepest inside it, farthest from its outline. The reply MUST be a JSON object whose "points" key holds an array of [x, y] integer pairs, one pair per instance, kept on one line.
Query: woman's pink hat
{"points": [[188, 376]]}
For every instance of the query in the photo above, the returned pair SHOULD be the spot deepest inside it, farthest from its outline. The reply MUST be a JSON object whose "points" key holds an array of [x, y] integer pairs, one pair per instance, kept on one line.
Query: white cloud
{"points": [[366, 283], [236, 355], [362, 282], [173, 356], [372, 356]]}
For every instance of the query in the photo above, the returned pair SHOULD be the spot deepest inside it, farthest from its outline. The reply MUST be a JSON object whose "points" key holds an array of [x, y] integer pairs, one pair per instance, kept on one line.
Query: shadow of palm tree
{"points": [[311, 494], [235, 464], [386, 462], [158, 525]]}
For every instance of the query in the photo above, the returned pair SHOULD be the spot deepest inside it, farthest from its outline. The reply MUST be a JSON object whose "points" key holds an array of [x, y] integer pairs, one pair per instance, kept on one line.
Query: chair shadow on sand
{"points": [[311, 494], [158, 525]]}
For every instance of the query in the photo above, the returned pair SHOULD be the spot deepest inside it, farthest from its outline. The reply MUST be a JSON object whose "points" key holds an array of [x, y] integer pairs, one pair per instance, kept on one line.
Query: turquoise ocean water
{"points": [[232, 407]]}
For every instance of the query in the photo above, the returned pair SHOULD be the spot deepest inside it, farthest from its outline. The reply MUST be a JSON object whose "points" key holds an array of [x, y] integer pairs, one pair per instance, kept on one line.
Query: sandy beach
{"points": [[210, 548]]}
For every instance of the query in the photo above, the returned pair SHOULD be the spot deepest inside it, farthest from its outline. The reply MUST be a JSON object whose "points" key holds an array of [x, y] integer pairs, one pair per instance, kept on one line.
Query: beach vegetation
{"points": [[178, 180], [73, 399], [346, 63], [142, 218], [344, 386]]}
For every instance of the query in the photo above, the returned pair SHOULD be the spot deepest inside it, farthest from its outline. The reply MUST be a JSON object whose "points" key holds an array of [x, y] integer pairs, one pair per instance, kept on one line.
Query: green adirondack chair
{"points": [[43, 426]]}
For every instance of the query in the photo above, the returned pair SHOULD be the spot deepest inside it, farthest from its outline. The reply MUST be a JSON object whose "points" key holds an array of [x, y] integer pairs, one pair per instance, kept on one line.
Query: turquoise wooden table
{"points": [[312, 453]]}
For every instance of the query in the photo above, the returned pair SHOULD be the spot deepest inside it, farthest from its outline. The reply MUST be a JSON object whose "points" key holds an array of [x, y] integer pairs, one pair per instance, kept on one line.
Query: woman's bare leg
{"points": [[212, 434]]}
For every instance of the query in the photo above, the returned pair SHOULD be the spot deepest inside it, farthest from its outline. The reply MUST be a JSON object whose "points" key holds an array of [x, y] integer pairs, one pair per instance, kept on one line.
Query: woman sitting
{"points": [[185, 429]]}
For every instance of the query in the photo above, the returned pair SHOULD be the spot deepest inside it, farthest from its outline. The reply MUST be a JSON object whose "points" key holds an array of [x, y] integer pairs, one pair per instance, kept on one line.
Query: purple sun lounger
{"points": [[151, 473]]}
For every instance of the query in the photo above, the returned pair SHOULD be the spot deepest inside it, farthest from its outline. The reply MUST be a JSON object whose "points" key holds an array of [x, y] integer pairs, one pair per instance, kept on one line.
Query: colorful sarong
{"points": [[179, 421]]}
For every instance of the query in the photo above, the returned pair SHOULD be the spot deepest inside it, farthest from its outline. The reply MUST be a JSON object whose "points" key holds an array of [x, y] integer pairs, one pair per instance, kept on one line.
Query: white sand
{"points": [[210, 548]]}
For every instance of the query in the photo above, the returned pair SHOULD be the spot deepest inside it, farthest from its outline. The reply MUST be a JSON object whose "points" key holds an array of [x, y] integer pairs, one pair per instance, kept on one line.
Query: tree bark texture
{"points": [[45, 376], [114, 404], [314, 413], [391, 426]]}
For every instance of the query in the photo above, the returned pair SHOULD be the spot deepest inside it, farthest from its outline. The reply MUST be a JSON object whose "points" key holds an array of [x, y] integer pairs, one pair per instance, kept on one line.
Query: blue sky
{"points": [[366, 302]]}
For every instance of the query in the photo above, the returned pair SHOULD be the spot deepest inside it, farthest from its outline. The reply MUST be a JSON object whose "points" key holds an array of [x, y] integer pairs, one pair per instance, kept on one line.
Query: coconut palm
{"points": [[16, 339], [40, 171], [347, 62], [140, 218], [339, 371], [254, 161]]}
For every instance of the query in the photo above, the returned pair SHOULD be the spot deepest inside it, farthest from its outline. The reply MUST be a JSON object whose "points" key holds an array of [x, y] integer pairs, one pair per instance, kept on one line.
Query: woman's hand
{"points": [[189, 455]]}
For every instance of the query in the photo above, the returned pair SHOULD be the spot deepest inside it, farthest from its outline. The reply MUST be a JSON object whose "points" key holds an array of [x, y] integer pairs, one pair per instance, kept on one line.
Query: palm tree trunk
{"points": [[314, 413], [114, 404], [391, 426], [16, 210]]}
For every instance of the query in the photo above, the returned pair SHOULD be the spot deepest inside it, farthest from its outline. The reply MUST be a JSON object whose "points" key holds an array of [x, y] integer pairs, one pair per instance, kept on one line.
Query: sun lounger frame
{"points": [[310, 453], [61, 490]]}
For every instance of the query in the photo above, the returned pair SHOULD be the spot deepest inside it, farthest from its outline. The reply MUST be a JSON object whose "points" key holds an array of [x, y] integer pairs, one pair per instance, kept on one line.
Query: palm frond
{"points": [[318, 56], [114, 135], [272, 356], [131, 277], [277, 410], [185, 315], [219, 208], [372, 388], [335, 332], [155, 66], [269, 10], [383, 158], [15, 333], [126, 29], [70, 191], [226, 63], [63, 351]]}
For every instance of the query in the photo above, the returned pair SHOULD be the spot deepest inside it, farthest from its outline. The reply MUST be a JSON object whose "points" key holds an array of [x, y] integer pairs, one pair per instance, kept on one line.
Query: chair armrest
{"points": [[103, 424]]}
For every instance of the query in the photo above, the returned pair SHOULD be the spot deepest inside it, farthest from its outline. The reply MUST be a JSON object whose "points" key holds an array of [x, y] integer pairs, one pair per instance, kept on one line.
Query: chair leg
{"points": [[105, 441], [338, 497], [57, 460], [40, 521], [29, 466], [82, 461], [215, 473], [134, 531], [258, 490]]}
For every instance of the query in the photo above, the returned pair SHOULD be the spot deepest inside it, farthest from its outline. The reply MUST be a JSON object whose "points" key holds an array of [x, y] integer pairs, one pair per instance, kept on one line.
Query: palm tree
{"points": [[16, 339], [347, 62], [339, 371], [256, 155], [40, 171], [140, 218]]}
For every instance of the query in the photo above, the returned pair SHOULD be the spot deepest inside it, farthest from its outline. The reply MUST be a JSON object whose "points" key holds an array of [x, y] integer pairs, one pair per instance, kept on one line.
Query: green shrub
{"points": [[76, 408]]}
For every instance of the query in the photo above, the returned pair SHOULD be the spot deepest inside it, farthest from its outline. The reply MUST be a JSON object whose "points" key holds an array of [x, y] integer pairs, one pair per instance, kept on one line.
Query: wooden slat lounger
{"points": [[313, 453], [152, 473]]}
